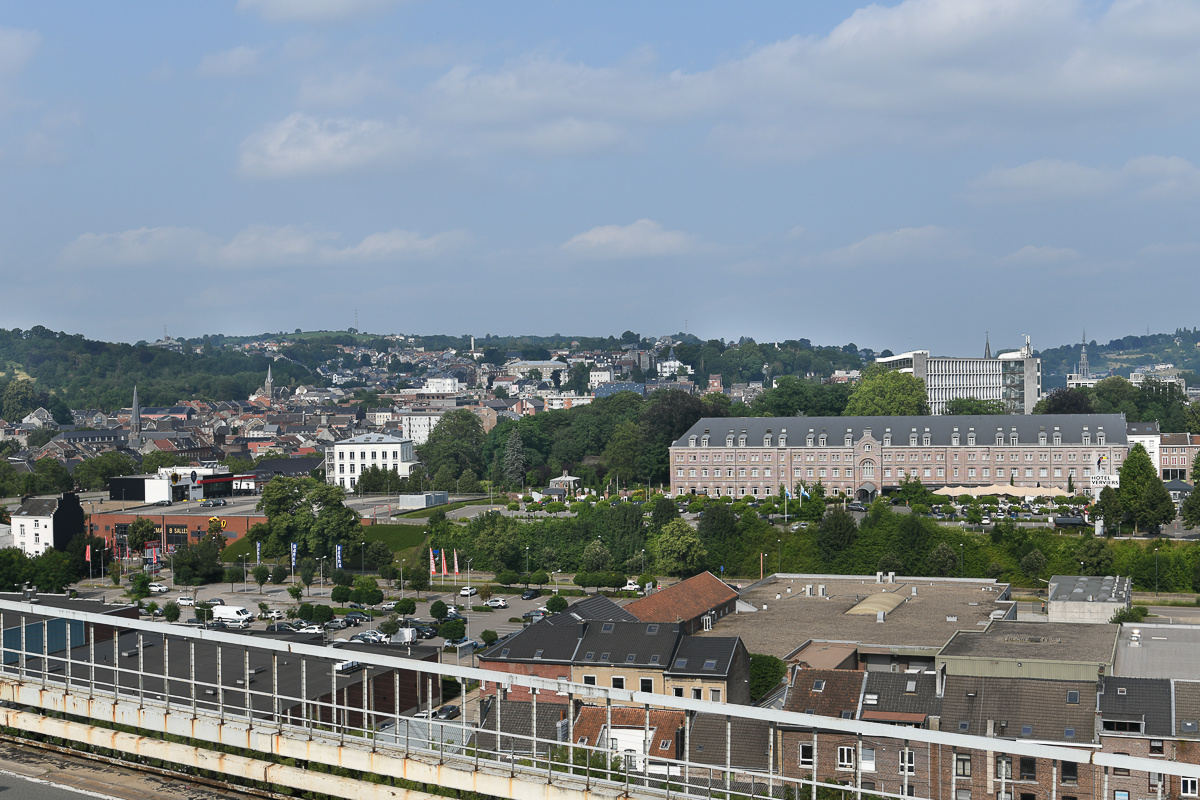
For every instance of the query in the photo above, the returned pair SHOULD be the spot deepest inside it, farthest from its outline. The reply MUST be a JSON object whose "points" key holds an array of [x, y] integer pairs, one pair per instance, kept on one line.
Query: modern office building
{"points": [[1013, 377], [346, 460]]}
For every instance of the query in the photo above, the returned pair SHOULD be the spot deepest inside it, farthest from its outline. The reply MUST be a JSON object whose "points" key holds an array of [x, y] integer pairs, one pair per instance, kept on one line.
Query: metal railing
{"points": [[359, 698]]}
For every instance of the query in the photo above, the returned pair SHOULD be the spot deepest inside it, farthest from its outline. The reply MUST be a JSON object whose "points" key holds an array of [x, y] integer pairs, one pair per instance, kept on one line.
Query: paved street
{"points": [[27, 773]]}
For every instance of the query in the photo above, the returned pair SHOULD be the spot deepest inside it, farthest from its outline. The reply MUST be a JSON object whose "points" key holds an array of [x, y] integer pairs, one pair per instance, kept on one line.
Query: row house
{"points": [[862, 456]]}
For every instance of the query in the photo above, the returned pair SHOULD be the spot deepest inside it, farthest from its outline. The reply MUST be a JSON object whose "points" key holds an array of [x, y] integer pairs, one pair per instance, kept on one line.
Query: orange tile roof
{"points": [[664, 725], [684, 601]]}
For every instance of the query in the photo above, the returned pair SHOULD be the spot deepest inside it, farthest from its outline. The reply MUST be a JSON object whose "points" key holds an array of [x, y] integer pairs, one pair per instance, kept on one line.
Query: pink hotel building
{"points": [[862, 456]]}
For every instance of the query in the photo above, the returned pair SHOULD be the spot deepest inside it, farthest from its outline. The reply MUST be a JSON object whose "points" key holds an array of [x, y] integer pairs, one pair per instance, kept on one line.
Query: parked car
{"points": [[497, 602], [311, 629], [336, 624], [216, 601], [424, 713], [158, 588], [359, 606], [163, 503], [986, 521], [275, 613], [468, 591], [217, 625], [799, 526], [369, 637], [448, 712], [357, 617], [388, 606], [185, 600], [469, 644], [530, 594], [280, 627], [856, 507], [208, 503], [220, 502]]}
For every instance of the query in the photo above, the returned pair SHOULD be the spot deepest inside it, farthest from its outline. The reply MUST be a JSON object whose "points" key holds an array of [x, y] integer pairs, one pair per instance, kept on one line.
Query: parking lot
{"points": [[277, 599]]}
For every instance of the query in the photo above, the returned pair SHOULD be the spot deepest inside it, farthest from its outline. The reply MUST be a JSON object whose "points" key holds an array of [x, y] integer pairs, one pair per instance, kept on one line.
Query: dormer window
{"points": [[1100, 438], [742, 440], [692, 440], [704, 440], [1041, 437], [783, 440], [1012, 439], [767, 440], [823, 440], [970, 440], [1087, 438], [925, 440], [809, 441], [912, 440], [999, 438], [887, 440], [849, 440], [1058, 437], [954, 439], [729, 440]]}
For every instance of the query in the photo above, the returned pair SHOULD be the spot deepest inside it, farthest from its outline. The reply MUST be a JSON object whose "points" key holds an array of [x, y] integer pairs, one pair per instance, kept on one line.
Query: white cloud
{"points": [[644, 238], [1029, 255], [17, 47], [894, 247], [302, 144], [313, 10], [256, 245], [1148, 177], [229, 63]]}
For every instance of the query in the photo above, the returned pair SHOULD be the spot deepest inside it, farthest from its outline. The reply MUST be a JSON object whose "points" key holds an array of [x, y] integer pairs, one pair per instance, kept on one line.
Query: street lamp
{"points": [[362, 557], [643, 561], [961, 556], [526, 559]]}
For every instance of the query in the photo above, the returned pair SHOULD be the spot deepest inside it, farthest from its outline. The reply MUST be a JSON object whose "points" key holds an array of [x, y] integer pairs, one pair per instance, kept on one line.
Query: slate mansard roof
{"points": [[940, 429]]}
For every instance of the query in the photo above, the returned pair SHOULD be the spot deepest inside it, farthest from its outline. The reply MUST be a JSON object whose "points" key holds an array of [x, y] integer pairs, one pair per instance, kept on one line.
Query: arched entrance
{"points": [[866, 492]]}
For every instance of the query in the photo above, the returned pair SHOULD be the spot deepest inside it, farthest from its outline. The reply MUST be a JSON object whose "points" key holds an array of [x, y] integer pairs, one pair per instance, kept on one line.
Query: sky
{"points": [[908, 175]]}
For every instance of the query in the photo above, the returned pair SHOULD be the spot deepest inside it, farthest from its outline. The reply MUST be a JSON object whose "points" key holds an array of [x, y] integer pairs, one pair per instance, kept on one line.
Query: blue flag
{"points": [[294, 555], [802, 492], [258, 551], [339, 557]]}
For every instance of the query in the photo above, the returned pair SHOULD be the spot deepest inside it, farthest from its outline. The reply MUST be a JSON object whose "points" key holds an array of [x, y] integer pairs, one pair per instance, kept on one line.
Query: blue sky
{"points": [[898, 175]]}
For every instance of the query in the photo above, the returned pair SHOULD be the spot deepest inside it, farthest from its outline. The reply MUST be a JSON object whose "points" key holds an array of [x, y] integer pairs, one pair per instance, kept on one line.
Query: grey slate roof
{"points": [[636, 644], [1039, 704], [940, 428], [556, 643], [1187, 709], [516, 718], [1145, 699], [37, 507], [748, 741], [894, 695], [591, 608], [697, 651]]}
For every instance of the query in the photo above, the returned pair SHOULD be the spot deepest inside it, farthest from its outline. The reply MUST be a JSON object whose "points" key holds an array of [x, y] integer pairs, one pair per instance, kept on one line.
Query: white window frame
{"points": [[908, 761], [868, 759], [845, 757], [1188, 787], [805, 762]]}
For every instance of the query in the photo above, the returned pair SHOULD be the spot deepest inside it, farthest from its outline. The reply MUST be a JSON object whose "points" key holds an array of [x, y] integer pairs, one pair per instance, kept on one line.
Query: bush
{"points": [[341, 577], [1132, 614], [489, 638], [556, 604], [438, 610], [508, 577], [279, 574], [171, 611], [514, 506], [305, 611], [321, 614], [454, 629]]}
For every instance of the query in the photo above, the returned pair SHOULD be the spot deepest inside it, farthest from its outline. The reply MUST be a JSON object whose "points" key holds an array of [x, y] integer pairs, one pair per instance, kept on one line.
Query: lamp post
{"points": [[323, 572], [961, 556], [779, 566], [526, 559], [643, 561], [245, 577], [362, 556]]}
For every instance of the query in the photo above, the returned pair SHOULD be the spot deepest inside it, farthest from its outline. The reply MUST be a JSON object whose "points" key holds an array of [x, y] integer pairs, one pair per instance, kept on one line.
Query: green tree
{"points": [[974, 513], [234, 574], [171, 611], [835, 534], [1033, 563], [156, 461], [418, 581], [452, 629], [406, 606], [378, 554], [1137, 474], [679, 549], [489, 637], [279, 574], [508, 577], [883, 392], [390, 626], [1065, 401], [1190, 510], [296, 592], [140, 534], [1196, 460], [20, 399], [540, 578], [262, 574], [438, 610], [621, 454], [766, 672], [514, 459], [556, 604], [455, 442], [340, 594], [596, 557], [962, 406], [139, 586], [1108, 508], [942, 560], [1097, 557], [1155, 506]]}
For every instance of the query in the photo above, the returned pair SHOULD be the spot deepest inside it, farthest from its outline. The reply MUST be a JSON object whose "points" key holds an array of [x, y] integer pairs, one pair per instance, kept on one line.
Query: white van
{"points": [[234, 616]]}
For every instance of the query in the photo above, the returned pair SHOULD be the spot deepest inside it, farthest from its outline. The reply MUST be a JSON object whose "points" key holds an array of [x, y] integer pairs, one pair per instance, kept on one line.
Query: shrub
{"points": [[556, 604], [322, 614], [171, 611], [514, 506], [279, 574], [305, 611]]}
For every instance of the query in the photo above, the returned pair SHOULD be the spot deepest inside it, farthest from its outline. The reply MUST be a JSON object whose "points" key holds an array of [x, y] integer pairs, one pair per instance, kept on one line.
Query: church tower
{"points": [[987, 346], [269, 385], [135, 420]]}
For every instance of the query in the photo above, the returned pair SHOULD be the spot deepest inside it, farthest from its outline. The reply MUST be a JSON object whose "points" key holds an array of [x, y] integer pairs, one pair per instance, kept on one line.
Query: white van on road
{"points": [[233, 615]]}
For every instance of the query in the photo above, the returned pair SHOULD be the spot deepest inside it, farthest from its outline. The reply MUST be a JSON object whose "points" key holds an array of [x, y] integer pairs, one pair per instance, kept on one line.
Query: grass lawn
{"points": [[425, 513], [404, 540]]}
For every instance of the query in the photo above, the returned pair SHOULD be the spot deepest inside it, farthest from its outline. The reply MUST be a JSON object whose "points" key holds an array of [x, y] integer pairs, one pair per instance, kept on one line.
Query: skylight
{"points": [[818, 686], [710, 663], [680, 663], [651, 630], [607, 627]]}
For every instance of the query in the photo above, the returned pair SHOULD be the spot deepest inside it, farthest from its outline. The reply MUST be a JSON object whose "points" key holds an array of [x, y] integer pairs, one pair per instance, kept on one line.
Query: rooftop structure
{"points": [[1158, 651], [1087, 599], [1053, 650], [796, 612], [1014, 378]]}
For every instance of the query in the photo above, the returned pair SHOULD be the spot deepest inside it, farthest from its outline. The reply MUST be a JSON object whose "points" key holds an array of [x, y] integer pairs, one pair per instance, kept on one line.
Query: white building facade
{"points": [[346, 460], [1015, 378]]}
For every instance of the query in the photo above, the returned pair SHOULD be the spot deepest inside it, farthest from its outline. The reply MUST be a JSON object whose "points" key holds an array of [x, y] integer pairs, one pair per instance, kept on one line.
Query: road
{"points": [[27, 773]]}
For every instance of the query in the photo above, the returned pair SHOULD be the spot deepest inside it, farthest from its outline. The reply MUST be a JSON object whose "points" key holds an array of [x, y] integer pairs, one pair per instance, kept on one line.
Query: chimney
{"points": [[914, 591], [879, 616], [879, 577], [821, 590]]}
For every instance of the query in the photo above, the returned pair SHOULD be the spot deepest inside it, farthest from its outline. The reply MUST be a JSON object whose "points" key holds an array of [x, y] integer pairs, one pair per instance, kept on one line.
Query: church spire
{"points": [[987, 347], [135, 419], [269, 386]]}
